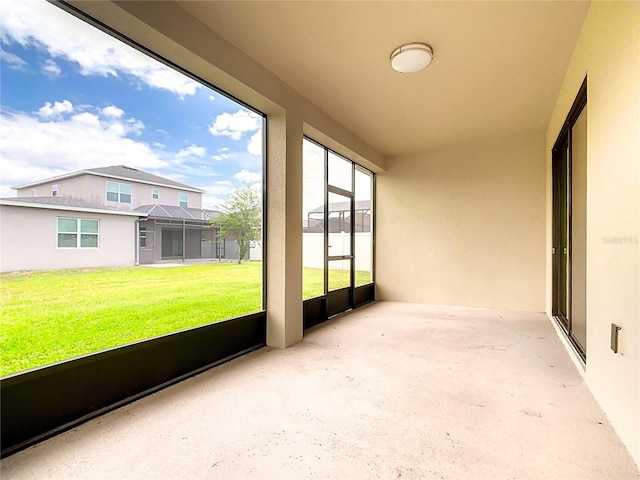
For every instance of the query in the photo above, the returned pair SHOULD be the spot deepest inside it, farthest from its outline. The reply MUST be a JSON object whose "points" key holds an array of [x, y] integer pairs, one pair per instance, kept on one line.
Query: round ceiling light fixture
{"points": [[411, 57]]}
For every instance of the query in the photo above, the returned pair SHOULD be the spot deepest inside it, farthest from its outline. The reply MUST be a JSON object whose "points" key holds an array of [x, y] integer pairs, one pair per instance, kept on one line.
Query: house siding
{"points": [[29, 240], [93, 188]]}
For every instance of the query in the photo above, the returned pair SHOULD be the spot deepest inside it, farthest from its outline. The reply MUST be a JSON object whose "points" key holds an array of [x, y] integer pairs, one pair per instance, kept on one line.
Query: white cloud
{"points": [[36, 148], [216, 193], [220, 187], [212, 98], [222, 154], [212, 202], [112, 111], [56, 109], [134, 126], [13, 61], [192, 151], [88, 120], [61, 35], [255, 144], [235, 125], [51, 69], [245, 176]]}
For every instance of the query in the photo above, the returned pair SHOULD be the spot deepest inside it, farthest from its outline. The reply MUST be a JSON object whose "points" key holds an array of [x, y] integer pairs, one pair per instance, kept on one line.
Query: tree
{"points": [[240, 218]]}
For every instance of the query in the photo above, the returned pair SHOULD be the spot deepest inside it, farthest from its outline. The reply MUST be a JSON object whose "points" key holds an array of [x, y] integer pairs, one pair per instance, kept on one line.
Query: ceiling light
{"points": [[411, 57]]}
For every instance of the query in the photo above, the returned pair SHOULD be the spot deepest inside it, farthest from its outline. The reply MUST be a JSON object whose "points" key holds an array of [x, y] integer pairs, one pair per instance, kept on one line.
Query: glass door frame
{"points": [[333, 302], [562, 224]]}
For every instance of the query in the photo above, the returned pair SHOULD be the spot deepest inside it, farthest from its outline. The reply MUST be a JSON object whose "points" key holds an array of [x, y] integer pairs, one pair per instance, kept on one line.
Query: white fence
{"points": [[313, 249]]}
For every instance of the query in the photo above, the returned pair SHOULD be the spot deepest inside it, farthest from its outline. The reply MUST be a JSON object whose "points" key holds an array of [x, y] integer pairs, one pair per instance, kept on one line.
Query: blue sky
{"points": [[72, 97]]}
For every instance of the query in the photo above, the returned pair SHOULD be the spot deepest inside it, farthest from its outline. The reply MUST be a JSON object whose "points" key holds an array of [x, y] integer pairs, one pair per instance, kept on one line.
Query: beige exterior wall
{"points": [[168, 196], [75, 187], [29, 240], [608, 53], [92, 188], [464, 227]]}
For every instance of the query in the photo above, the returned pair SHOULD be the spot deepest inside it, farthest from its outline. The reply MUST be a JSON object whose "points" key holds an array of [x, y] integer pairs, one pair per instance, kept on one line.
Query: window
{"points": [[77, 233], [143, 236], [54, 190], [132, 130], [118, 192], [86, 303], [337, 239], [33, 192]]}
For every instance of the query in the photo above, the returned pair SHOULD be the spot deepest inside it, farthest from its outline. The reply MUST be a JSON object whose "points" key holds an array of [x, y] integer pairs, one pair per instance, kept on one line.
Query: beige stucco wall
{"points": [[168, 196], [465, 226], [29, 240], [74, 187], [608, 52]]}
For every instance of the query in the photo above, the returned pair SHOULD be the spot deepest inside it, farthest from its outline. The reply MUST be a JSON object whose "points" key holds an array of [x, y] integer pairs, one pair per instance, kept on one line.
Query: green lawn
{"points": [[313, 281], [56, 315]]}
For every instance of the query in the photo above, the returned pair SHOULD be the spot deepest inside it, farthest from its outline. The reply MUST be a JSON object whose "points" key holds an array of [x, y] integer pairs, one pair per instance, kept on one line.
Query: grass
{"points": [[313, 281], [57, 315]]}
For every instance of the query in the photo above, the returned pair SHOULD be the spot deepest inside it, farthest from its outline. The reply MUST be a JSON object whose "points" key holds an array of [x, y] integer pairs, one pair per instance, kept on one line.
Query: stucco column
{"points": [[284, 230]]}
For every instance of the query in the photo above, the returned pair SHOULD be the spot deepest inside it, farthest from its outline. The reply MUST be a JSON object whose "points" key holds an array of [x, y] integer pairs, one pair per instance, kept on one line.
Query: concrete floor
{"points": [[390, 391]]}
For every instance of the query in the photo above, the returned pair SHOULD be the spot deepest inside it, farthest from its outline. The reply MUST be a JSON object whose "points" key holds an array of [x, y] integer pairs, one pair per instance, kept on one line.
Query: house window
{"points": [[77, 233], [118, 192], [54, 190], [183, 198], [155, 193], [143, 236], [33, 192]]}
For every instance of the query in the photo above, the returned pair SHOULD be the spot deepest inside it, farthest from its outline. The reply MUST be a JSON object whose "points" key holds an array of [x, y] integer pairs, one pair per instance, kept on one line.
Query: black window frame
{"points": [[49, 400]]}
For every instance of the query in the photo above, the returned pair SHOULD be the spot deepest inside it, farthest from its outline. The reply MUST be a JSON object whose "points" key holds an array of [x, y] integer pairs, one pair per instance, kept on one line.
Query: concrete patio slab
{"points": [[391, 390]]}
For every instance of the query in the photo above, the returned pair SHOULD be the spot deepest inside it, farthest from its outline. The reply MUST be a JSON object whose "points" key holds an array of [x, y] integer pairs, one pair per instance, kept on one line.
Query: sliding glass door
{"points": [[569, 180]]}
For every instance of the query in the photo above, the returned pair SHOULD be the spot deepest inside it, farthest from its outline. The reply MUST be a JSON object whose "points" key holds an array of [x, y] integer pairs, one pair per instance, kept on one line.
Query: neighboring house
{"points": [[340, 217], [115, 186], [171, 232], [46, 233], [171, 223]]}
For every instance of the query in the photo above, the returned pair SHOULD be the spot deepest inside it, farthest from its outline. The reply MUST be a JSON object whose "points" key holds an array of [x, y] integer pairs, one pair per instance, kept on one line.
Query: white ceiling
{"points": [[497, 71]]}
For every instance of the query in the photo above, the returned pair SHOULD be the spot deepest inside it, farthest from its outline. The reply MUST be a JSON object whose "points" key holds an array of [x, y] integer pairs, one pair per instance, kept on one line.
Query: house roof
{"points": [[344, 206], [118, 172], [178, 213], [67, 204]]}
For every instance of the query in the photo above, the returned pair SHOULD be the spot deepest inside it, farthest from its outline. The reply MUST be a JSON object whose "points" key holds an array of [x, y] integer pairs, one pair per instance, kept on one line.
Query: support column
{"points": [[284, 230]]}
